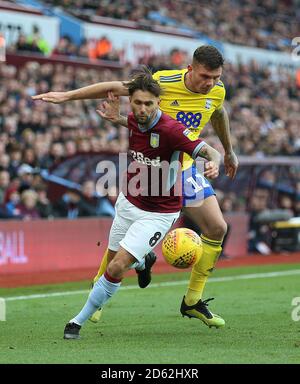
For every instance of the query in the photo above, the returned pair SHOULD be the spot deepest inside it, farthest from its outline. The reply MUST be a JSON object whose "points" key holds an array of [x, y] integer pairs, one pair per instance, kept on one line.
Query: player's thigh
{"points": [[145, 233], [125, 214], [208, 216]]}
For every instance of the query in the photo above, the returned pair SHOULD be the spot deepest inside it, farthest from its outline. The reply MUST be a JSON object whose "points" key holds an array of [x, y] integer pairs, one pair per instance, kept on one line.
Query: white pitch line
{"points": [[165, 284]]}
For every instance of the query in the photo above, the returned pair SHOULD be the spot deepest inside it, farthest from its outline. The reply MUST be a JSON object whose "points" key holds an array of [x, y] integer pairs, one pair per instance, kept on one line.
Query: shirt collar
{"points": [[142, 128]]}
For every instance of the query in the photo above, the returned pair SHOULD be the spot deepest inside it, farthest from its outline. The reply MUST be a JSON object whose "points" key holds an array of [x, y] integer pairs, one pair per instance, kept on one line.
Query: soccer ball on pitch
{"points": [[182, 248]]}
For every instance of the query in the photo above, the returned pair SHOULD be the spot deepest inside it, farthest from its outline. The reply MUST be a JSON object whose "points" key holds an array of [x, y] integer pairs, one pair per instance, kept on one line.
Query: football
{"points": [[182, 248]]}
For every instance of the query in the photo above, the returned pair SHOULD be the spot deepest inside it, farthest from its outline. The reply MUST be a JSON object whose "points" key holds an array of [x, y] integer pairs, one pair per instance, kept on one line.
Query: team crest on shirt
{"points": [[208, 103], [154, 140]]}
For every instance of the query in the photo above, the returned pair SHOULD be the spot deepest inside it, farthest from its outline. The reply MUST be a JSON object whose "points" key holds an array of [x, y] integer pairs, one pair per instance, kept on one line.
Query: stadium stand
{"points": [[262, 24], [262, 105]]}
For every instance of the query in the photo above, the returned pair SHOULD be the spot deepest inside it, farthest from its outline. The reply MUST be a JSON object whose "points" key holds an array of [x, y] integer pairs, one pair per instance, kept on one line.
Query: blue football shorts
{"points": [[195, 186]]}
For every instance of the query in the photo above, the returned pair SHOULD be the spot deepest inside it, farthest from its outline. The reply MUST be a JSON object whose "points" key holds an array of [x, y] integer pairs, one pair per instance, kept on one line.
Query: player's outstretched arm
{"points": [[110, 110], [214, 160], [94, 91], [220, 122]]}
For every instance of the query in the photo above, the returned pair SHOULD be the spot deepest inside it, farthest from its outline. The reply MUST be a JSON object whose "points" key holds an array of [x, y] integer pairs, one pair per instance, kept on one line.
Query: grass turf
{"points": [[145, 326]]}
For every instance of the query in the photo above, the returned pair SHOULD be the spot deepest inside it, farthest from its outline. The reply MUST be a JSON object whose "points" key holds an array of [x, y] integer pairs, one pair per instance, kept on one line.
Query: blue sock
{"points": [[100, 294]]}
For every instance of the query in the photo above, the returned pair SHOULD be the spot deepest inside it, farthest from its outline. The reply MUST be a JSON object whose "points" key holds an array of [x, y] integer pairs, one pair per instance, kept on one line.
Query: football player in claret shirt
{"points": [[193, 96], [142, 219]]}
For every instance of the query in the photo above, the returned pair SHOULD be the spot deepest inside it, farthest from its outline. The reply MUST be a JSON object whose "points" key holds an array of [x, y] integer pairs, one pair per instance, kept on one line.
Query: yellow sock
{"points": [[102, 267], [200, 272]]}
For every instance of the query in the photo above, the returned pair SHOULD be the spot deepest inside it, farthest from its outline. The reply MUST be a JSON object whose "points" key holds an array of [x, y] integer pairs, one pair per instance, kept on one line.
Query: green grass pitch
{"points": [[145, 326]]}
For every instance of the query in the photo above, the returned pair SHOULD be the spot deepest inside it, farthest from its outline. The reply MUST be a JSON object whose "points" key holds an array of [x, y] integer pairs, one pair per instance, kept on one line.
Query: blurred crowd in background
{"points": [[93, 49], [262, 104], [262, 24], [268, 24]]}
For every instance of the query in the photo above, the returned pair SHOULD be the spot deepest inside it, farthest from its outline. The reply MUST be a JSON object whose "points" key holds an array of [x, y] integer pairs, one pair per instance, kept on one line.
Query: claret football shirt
{"points": [[154, 175]]}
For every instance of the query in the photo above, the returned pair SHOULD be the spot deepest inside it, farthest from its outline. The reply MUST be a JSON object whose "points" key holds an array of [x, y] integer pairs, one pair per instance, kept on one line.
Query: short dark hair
{"points": [[208, 56], [143, 81]]}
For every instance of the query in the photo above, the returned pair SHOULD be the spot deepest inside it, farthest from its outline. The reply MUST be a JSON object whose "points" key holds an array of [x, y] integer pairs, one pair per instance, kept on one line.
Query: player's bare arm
{"points": [[94, 91], [220, 122], [214, 160], [110, 110]]}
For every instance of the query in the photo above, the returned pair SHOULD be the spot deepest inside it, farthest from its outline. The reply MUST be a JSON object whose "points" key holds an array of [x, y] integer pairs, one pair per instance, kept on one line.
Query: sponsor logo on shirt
{"points": [[175, 103], [139, 157], [189, 119]]}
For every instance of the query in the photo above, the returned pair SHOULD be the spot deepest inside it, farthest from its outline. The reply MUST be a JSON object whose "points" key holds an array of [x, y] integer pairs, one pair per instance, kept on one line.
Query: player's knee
{"points": [[217, 231], [116, 269]]}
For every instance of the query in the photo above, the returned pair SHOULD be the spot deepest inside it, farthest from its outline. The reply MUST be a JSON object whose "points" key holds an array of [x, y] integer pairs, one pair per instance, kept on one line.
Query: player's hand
{"points": [[211, 170], [231, 164], [110, 108], [52, 97]]}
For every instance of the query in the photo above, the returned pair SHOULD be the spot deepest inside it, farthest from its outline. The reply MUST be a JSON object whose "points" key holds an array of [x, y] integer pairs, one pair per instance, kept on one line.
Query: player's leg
{"points": [[102, 267], [127, 215], [209, 219], [108, 256], [103, 290], [120, 225], [143, 272], [146, 232], [206, 214], [104, 261], [141, 237]]}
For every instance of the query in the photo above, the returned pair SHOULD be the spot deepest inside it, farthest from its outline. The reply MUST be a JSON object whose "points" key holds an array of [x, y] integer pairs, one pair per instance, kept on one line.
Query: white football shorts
{"points": [[136, 230]]}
